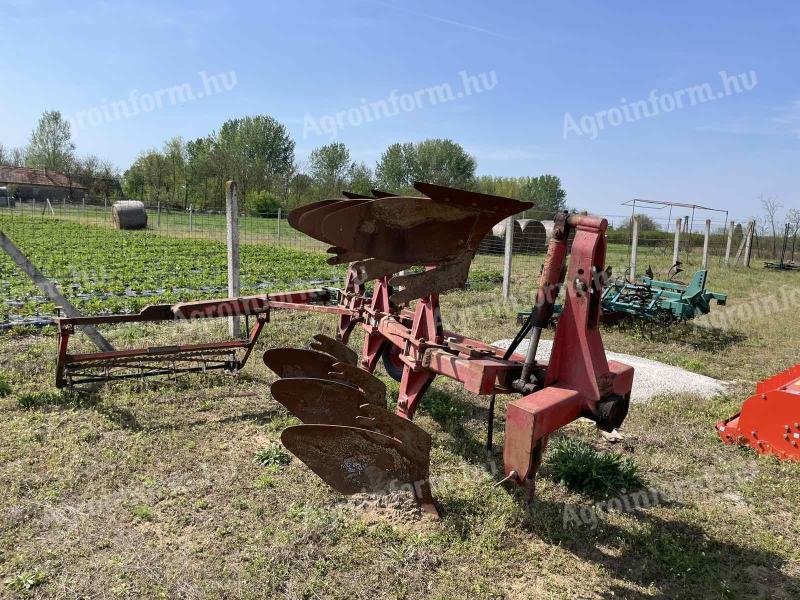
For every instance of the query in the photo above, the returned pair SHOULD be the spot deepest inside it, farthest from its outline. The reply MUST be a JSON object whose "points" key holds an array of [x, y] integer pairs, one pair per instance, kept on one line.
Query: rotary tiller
{"points": [[769, 421]]}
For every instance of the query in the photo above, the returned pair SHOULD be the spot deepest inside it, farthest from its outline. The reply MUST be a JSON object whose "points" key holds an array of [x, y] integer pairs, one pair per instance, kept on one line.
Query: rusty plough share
{"points": [[413, 249]]}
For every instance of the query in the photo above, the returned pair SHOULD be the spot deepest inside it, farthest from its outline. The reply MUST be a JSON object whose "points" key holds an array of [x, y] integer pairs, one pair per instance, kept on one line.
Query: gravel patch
{"points": [[651, 378]]}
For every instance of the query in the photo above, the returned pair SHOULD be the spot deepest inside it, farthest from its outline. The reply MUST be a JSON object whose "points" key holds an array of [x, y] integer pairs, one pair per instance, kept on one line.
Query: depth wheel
{"points": [[391, 361]]}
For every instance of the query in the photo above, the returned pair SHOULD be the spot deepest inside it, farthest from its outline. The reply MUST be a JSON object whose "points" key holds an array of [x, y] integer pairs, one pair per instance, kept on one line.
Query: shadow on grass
{"points": [[450, 412], [677, 558], [709, 339], [125, 418]]}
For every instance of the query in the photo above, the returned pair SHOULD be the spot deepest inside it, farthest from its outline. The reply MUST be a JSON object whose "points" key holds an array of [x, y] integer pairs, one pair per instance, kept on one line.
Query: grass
{"points": [[581, 468], [180, 488]]}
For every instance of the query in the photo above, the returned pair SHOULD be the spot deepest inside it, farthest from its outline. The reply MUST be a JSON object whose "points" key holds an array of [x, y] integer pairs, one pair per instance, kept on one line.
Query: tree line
{"points": [[51, 148], [259, 154]]}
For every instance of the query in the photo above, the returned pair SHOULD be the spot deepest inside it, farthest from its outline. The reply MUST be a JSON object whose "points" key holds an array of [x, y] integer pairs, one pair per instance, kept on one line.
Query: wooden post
{"points": [[731, 227], [748, 246], [507, 258], [706, 241], [686, 224], [676, 248], [232, 217], [634, 245], [279, 223]]}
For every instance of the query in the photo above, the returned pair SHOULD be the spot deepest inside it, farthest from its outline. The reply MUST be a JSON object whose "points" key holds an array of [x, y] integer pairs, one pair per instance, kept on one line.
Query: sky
{"points": [[695, 102]]}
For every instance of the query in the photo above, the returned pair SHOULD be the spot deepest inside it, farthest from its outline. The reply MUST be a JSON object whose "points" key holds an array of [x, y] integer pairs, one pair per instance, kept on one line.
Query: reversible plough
{"points": [[403, 252]]}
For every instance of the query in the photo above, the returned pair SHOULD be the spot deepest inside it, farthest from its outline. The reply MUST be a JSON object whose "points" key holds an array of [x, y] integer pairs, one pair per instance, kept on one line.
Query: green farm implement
{"points": [[650, 298], [655, 300]]}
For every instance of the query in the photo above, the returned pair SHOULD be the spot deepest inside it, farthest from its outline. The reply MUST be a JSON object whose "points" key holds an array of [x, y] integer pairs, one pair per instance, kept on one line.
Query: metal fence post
{"points": [[706, 241], [158, 215], [634, 245], [731, 227], [507, 258], [191, 221], [279, 223], [676, 248], [232, 218], [33, 207]]}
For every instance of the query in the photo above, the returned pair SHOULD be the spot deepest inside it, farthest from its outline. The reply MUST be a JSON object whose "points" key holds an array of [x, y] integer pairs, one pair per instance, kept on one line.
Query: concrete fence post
{"points": [[748, 246], [706, 241], [191, 219], [232, 217], [676, 248], [634, 245], [728, 244], [507, 258]]}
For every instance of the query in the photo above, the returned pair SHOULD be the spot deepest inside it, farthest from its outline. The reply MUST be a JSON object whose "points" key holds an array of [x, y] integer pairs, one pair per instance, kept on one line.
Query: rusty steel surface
{"points": [[389, 234], [321, 401], [299, 362], [352, 459], [340, 351]]}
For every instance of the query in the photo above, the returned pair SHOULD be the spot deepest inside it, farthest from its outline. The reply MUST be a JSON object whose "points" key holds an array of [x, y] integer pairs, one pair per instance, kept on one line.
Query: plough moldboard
{"points": [[412, 249]]}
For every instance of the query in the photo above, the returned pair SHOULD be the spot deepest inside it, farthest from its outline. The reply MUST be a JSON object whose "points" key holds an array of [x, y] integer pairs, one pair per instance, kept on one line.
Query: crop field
{"points": [[180, 488], [204, 225]]}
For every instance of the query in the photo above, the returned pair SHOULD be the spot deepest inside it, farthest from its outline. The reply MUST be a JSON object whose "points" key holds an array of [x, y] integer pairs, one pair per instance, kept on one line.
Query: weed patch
{"points": [[583, 469]]}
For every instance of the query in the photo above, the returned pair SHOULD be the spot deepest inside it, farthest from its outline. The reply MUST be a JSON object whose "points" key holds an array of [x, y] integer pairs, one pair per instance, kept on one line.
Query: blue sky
{"points": [[299, 61]]}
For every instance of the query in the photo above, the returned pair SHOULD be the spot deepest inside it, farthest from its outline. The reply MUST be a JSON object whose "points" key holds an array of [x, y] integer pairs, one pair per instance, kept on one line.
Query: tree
{"points": [[443, 162], [395, 169], [438, 161], [201, 172], [793, 218], [545, 192], [175, 157], [300, 187], [771, 206], [646, 223], [255, 151], [360, 179], [328, 167], [51, 144], [18, 157]]}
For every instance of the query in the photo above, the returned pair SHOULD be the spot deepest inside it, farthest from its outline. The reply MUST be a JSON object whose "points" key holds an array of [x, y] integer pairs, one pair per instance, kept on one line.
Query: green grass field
{"points": [[180, 489]]}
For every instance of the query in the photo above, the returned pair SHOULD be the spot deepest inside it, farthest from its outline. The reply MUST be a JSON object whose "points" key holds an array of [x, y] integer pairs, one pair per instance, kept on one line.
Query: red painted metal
{"points": [[139, 362], [578, 380], [769, 421]]}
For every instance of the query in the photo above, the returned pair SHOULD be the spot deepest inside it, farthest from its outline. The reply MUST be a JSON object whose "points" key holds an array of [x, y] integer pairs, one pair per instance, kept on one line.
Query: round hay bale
{"points": [[129, 214], [534, 236], [495, 241]]}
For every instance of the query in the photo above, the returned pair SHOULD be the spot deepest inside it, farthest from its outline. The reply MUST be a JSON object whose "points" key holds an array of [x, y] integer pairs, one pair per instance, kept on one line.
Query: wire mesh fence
{"points": [[181, 254]]}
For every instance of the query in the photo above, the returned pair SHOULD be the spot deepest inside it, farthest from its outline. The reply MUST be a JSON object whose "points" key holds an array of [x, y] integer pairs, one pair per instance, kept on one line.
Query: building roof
{"points": [[36, 177]]}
